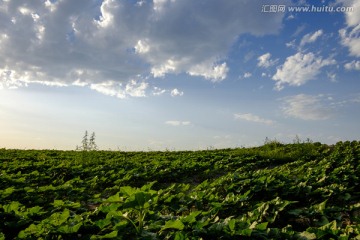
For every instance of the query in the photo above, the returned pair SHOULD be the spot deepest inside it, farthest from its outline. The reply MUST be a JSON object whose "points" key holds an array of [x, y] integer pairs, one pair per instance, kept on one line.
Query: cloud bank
{"points": [[307, 107], [112, 46]]}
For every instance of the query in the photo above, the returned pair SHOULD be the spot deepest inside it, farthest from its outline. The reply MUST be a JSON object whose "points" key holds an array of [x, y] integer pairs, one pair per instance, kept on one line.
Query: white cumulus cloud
{"points": [[265, 61], [158, 91], [136, 89], [142, 47], [119, 90], [309, 38], [353, 16], [175, 92], [353, 65], [215, 73], [299, 69], [253, 118], [350, 38], [350, 34], [247, 74]]}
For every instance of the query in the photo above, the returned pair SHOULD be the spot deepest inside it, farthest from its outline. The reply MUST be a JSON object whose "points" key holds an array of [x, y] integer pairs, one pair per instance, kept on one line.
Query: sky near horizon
{"points": [[178, 74]]}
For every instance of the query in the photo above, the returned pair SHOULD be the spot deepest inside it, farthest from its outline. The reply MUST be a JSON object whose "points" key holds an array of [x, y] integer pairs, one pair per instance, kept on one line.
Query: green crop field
{"points": [[276, 191]]}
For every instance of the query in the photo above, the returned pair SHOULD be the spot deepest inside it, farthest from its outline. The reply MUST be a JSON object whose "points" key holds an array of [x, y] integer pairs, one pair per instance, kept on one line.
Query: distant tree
{"points": [[86, 143], [92, 144], [297, 139]]}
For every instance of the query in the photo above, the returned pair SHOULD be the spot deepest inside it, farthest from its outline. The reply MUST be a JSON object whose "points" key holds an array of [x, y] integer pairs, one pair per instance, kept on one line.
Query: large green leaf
{"points": [[110, 235], [70, 228], [180, 236], [128, 191], [231, 225], [320, 207], [332, 226], [174, 224], [37, 210], [13, 206], [307, 236], [7, 192], [258, 226], [115, 198], [191, 217], [103, 222], [245, 232], [57, 219], [58, 203], [109, 208], [261, 226], [32, 230], [141, 198]]}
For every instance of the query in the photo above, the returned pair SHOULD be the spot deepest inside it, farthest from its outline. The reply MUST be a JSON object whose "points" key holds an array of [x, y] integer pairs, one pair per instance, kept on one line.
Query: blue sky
{"points": [[171, 74]]}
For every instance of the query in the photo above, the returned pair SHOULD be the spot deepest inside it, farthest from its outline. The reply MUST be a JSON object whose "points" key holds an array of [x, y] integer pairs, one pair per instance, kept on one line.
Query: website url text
{"points": [[310, 9]]}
